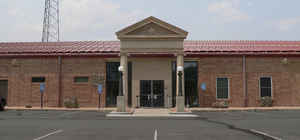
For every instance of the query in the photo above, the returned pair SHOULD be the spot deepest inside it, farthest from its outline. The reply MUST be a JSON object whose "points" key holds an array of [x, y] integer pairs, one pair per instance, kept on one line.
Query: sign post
{"points": [[42, 89], [99, 93]]}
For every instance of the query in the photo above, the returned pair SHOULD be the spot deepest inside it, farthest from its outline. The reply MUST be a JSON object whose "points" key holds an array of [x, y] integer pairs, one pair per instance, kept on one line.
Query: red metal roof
{"points": [[113, 47]]}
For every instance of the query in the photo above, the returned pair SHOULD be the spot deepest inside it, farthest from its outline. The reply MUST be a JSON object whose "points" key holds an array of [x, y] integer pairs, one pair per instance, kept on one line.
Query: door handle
{"points": [[155, 97], [149, 97]]}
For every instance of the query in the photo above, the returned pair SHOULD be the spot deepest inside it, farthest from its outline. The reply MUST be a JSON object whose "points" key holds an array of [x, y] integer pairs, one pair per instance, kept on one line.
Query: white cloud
{"points": [[287, 24], [227, 11], [92, 16]]}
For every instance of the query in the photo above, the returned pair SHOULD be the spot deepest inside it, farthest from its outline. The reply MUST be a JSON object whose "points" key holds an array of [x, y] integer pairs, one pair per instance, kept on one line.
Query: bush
{"points": [[221, 104], [71, 103], [28, 106], [266, 101]]}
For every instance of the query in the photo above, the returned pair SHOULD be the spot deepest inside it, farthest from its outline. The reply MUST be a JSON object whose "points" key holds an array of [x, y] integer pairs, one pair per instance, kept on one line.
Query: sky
{"points": [[82, 20]]}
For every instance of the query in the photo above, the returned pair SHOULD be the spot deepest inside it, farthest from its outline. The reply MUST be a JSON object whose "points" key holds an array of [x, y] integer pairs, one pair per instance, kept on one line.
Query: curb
{"points": [[84, 110], [249, 110]]}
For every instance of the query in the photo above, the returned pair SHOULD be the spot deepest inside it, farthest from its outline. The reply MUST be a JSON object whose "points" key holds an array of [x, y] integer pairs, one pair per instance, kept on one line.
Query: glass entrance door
{"points": [[152, 93]]}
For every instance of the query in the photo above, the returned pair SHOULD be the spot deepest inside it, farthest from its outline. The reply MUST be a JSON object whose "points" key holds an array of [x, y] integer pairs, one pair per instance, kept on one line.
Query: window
{"points": [[81, 79], [222, 88], [112, 83], [38, 79], [191, 83], [265, 87]]}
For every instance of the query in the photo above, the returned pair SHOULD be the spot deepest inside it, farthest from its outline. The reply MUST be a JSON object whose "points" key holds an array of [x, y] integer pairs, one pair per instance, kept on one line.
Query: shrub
{"points": [[71, 103], [28, 106], [266, 101], [221, 104]]}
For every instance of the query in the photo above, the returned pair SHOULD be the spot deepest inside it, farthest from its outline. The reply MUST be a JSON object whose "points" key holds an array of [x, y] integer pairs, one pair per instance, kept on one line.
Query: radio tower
{"points": [[51, 21]]}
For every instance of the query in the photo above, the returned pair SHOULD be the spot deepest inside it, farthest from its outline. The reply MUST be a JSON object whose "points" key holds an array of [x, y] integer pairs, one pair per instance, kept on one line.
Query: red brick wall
{"points": [[85, 92], [211, 68], [21, 91], [285, 79]]}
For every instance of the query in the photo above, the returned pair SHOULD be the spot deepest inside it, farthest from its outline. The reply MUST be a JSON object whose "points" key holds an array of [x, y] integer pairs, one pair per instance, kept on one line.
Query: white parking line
{"points": [[52, 133], [265, 134], [155, 134]]}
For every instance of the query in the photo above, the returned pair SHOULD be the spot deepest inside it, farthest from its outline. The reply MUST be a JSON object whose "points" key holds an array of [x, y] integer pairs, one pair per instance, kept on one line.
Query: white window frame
{"points": [[228, 80], [271, 85]]}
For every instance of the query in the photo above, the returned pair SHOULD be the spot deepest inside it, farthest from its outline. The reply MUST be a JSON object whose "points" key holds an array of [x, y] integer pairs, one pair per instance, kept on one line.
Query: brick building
{"points": [[240, 72]]}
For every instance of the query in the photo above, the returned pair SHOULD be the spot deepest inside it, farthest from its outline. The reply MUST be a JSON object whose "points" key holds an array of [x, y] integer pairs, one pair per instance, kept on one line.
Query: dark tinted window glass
{"points": [[81, 79], [222, 88], [38, 80], [265, 87], [112, 71], [112, 83], [191, 83]]}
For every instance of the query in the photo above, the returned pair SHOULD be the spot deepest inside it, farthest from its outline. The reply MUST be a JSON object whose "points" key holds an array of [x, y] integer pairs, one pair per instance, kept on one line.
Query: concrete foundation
{"points": [[179, 103], [121, 107]]}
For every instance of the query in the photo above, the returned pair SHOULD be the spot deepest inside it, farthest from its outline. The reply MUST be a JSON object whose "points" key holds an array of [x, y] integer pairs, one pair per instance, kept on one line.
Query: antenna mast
{"points": [[51, 21]]}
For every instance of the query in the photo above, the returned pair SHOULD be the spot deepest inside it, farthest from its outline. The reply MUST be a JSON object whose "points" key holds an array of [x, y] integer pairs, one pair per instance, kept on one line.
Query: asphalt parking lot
{"points": [[93, 125]]}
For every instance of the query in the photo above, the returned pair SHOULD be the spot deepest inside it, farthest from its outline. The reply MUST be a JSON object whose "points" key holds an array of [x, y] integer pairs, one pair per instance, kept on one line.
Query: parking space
{"points": [[93, 125], [281, 124], [51, 115]]}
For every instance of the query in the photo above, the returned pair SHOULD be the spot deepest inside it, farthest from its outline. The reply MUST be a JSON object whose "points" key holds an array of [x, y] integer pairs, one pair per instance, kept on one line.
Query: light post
{"points": [[121, 99], [121, 81], [180, 97], [180, 71]]}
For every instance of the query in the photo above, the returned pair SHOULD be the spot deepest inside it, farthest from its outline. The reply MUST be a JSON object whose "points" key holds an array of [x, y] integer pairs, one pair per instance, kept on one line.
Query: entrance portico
{"points": [[151, 77]]}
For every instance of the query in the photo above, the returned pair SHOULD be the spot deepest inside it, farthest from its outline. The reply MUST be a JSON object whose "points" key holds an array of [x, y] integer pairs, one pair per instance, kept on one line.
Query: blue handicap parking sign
{"points": [[42, 87], [99, 88], [203, 86]]}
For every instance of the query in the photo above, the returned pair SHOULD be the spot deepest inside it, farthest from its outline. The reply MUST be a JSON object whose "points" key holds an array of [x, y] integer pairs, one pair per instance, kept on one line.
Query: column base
{"points": [[179, 103], [121, 104]]}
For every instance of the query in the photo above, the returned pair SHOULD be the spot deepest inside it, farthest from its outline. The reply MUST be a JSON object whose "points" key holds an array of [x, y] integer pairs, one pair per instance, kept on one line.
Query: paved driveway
{"points": [[281, 124], [92, 125]]}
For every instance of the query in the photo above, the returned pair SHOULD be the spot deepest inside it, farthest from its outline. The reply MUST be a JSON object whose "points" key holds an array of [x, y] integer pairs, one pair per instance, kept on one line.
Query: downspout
{"points": [[245, 82], [59, 81]]}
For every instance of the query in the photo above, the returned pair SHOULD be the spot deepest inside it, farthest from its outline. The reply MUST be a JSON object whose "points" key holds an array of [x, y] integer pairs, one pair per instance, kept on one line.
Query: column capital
{"points": [[179, 54], [123, 54]]}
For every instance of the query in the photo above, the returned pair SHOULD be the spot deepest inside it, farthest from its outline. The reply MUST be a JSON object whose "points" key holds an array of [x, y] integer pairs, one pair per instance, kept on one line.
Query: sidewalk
{"points": [[190, 109], [63, 109], [246, 109]]}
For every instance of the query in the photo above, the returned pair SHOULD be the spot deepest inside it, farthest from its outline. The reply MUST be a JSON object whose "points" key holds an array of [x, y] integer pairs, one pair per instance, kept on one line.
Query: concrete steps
{"points": [[152, 112]]}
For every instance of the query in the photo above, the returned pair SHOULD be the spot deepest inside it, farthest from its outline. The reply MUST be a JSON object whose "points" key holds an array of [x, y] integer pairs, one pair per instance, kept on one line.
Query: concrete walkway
{"points": [[246, 109], [151, 112], [162, 110], [63, 109]]}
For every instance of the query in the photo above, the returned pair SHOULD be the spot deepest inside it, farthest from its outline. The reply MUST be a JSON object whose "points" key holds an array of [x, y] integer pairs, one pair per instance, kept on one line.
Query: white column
{"points": [[180, 62], [123, 62]]}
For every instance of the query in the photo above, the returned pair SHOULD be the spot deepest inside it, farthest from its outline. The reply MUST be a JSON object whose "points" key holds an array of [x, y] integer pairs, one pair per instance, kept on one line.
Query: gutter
{"points": [[60, 81], [245, 81]]}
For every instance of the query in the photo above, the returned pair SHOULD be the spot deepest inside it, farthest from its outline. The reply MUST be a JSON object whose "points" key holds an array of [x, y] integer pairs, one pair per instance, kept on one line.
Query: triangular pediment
{"points": [[152, 28]]}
